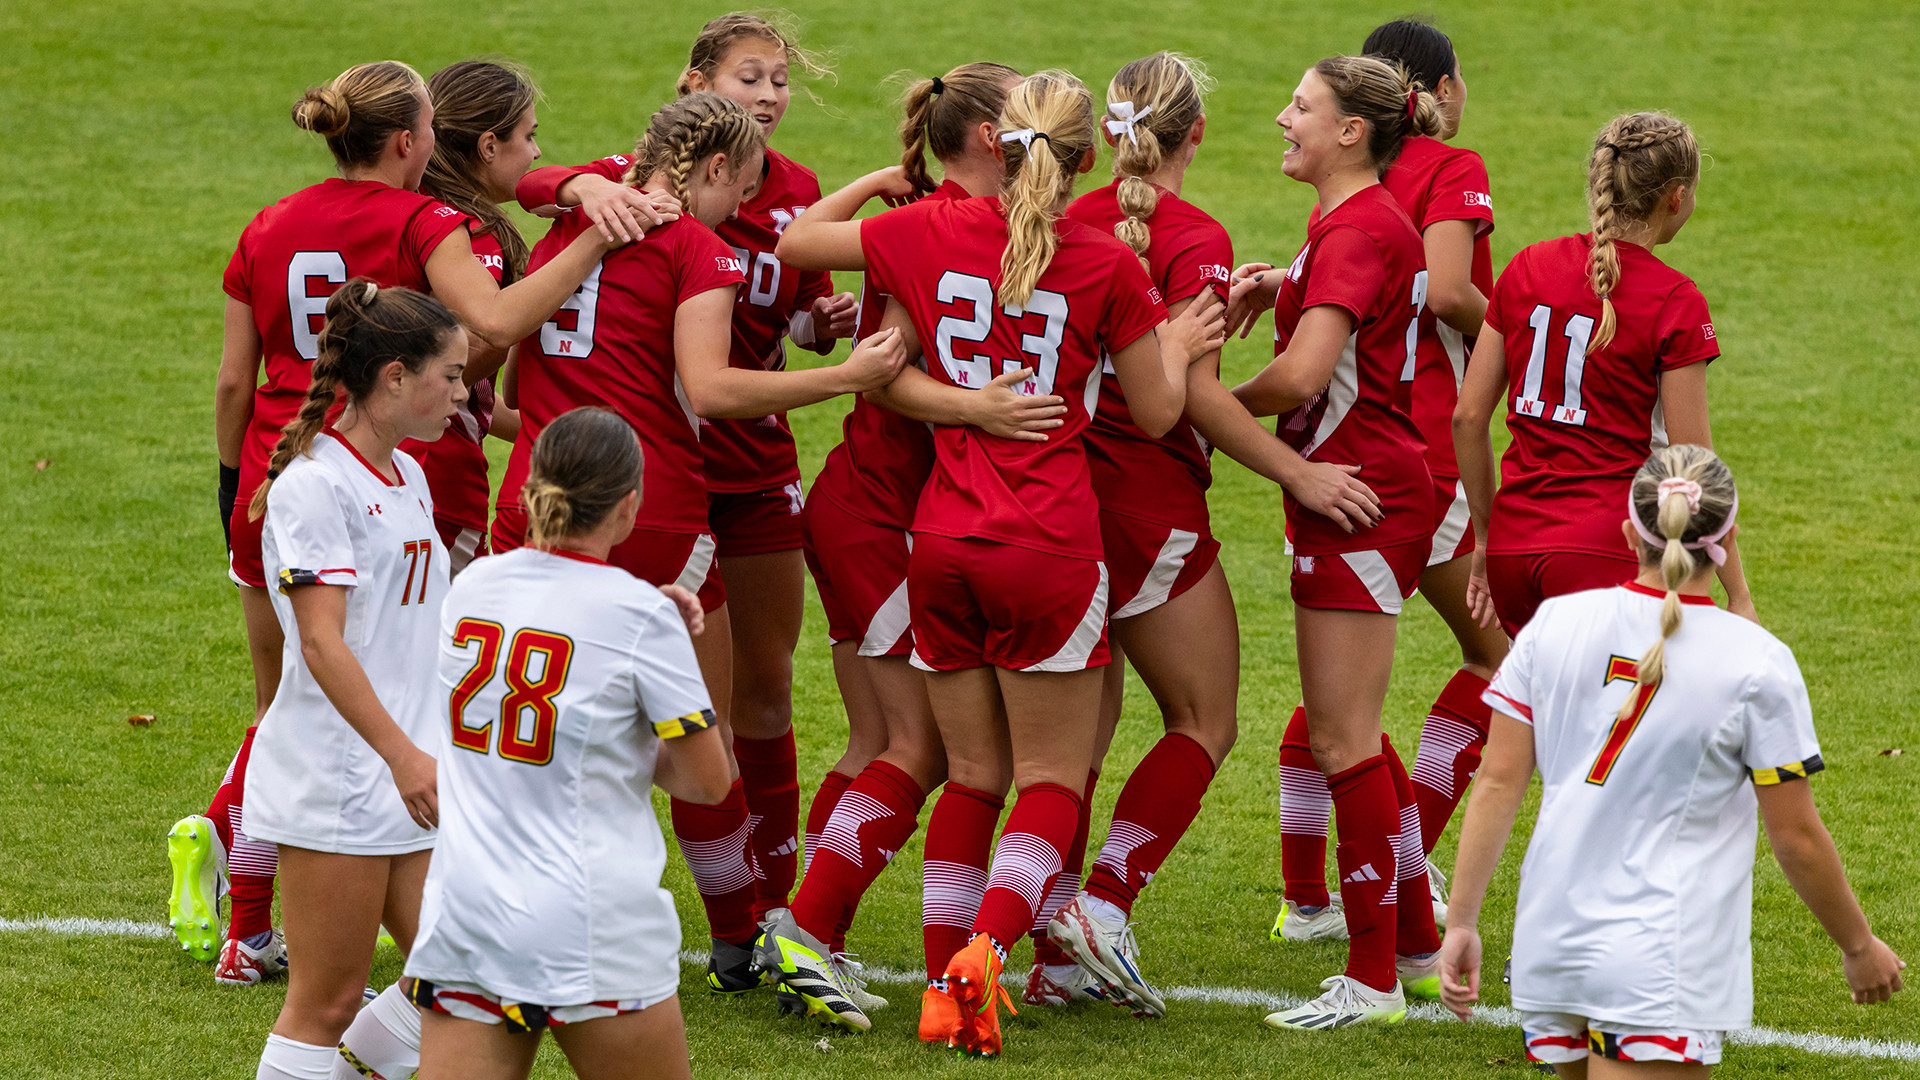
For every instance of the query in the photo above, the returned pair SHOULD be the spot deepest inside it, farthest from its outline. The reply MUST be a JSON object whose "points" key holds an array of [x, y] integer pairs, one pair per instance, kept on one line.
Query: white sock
{"points": [[284, 1059], [384, 1040]]}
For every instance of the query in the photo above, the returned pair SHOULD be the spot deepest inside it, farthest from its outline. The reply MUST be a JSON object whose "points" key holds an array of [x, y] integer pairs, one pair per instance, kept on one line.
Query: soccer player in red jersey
{"points": [[752, 467], [1346, 309], [1615, 346], [652, 321], [372, 222], [1006, 583]]}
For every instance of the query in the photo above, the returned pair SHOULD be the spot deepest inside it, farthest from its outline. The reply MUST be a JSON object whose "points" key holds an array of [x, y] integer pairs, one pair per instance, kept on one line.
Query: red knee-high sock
{"points": [[1304, 807], [1368, 816], [1161, 799], [1028, 858], [251, 864], [1067, 885], [770, 777], [1414, 932], [1449, 753], [954, 875], [713, 840], [875, 817], [832, 786]]}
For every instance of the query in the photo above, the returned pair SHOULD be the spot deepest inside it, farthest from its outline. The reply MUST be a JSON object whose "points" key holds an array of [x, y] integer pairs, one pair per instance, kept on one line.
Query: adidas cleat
{"points": [[731, 970], [1296, 924], [1437, 889], [1061, 984], [1346, 1001], [199, 862], [802, 965], [1105, 947], [939, 1017], [973, 982], [254, 960], [852, 975], [1419, 976]]}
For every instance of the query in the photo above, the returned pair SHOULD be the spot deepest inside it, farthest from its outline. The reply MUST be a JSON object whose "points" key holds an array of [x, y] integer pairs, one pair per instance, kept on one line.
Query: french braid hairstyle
{"points": [[939, 113], [471, 98], [1637, 159], [360, 108], [367, 328], [716, 38], [1678, 521], [1045, 128], [1162, 96], [1387, 97], [686, 132], [583, 464]]}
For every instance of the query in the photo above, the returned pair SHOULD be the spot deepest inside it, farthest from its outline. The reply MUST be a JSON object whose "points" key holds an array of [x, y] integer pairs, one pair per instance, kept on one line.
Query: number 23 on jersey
{"points": [[535, 672]]}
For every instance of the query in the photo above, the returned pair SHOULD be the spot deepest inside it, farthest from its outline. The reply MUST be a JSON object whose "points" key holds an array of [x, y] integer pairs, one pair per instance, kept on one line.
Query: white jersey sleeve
{"points": [[666, 676], [1510, 691], [1778, 723], [310, 524]]}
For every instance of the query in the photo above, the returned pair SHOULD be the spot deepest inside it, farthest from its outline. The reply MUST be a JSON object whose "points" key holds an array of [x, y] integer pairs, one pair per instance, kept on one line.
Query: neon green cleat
{"points": [[1326, 924], [804, 966], [1419, 976], [199, 862]]}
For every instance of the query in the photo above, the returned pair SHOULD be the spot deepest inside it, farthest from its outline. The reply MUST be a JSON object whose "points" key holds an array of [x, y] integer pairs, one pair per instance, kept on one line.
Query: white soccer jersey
{"points": [[313, 782], [563, 674], [1635, 899]]}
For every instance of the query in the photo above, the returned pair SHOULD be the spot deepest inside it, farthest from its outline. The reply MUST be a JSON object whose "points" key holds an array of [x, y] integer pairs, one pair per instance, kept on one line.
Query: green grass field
{"points": [[141, 138]]}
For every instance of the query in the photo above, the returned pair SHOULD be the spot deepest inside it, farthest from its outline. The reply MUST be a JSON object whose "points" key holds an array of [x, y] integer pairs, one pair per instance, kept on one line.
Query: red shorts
{"points": [[1520, 583], [463, 543], [244, 564], [1452, 524], [1378, 580], [755, 522], [1151, 564], [861, 571], [655, 556], [977, 603]]}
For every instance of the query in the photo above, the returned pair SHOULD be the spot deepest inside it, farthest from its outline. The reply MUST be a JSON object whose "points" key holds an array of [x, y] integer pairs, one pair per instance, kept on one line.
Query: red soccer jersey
{"points": [[1435, 182], [941, 260], [611, 345], [1162, 480], [1583, 424], [1367, 258], [882, 463], [455, 465], [291, 258]]}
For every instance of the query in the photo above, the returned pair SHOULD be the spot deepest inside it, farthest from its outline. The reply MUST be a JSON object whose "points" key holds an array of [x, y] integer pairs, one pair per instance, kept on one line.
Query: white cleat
{"points": [[853, 978], [1061, 984], [241, 964], [1419, 976], [1345, 1002], [1327, 924], [1105, 947], [1437, 888]]}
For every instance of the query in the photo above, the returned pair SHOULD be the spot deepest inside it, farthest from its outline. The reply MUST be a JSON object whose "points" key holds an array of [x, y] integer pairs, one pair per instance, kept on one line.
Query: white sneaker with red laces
{"points": [[1061, 984], [246, 963]]}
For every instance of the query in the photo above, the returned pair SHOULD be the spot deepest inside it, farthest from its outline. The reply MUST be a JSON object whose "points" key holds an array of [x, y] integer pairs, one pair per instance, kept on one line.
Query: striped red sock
{"points": [[954, 874], [1161, 799], [819, 810], [1414, 932], [251, 864], [713, 840], [770, 775], [1368, 816], [1067, 885], [1027, 859], [1305, 805], [876, 815], [1450, 743]]}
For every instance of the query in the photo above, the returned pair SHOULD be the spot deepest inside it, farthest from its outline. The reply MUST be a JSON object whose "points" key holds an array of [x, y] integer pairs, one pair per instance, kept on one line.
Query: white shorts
{"points": [[1562, 1038]]}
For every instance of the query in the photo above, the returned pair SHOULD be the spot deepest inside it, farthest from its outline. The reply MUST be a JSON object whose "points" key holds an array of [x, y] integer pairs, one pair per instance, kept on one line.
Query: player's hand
{"points": [[691, 612], [835, 316], [1874, 974], [622, 214], [1198, 330], [1254, 289], [414, 775], [1460, 970], [891, 186], [1335, 491], [999, 408], [875, 362], [1479, 593]]}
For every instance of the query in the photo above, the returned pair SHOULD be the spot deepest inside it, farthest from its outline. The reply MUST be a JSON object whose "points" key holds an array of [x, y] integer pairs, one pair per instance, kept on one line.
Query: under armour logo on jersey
{"points": [[373, 509], [1479, 198], [1365, 873]]}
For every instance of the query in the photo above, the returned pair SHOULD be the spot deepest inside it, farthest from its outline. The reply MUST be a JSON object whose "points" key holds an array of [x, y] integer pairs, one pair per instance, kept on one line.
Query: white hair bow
{"points": [[1023, 136], [1127, 118]]}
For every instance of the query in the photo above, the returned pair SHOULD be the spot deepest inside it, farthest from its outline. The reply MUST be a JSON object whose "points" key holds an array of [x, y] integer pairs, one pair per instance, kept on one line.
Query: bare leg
{"points": [[1113, 690], [265, 640], [713, 649], [647, 1045], [770, 591], [973, 727], [456, 1049], [1187, 651], [1445, 587], [1600, 1068], [1051, 721], [866, 716], [1346, 662], [913, 739], [330, 908]]}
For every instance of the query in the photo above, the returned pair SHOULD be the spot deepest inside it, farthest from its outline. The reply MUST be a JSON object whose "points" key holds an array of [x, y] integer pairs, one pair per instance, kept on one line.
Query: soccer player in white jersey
{"points": [[342, 770], [1632, 950], [573, 690]]}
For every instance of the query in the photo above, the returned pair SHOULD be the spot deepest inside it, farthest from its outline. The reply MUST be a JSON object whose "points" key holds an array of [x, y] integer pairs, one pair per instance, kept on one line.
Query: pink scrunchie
{"points": [[1690, 489]]}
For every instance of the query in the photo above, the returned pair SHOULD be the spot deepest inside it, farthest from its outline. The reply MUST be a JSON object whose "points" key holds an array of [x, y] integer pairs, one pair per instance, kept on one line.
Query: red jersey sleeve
{"points": [[539, 190], [890, 238], [488, 253], [1347, 273], [1133, 306], [1684, 331], [1496, 317], [1459, 192], [1202, 258], [708, 264], [239, 276], [431, 224]]}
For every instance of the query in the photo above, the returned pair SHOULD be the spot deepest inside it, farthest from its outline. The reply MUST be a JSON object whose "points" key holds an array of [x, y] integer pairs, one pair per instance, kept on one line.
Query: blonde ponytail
{"points": [[1045, 129], [1153, 103], [1385, 95], [1688, 492], [1636, 159]]}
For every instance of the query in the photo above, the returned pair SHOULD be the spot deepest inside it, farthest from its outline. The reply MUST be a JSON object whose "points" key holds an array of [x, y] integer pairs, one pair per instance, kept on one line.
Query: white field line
{"points": [[1827, 1045]]}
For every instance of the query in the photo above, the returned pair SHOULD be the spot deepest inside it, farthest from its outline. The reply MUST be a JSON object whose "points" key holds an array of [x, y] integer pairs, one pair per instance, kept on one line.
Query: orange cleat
{"points": [[973, 982], [939, 1017]]}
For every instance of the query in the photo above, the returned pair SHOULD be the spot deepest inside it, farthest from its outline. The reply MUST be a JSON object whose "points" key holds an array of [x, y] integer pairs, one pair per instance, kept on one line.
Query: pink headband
{"points": [[1709, 544]]}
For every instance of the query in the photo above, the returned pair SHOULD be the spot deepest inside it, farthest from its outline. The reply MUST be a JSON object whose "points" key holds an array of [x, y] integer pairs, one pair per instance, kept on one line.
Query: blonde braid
{"points": [[689, 130], [1164, 91], [1636, 159]]}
